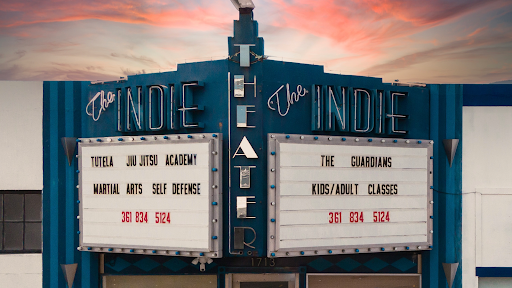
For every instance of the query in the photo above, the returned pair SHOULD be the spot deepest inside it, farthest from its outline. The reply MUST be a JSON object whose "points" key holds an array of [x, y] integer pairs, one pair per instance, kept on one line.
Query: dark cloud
{"points": [[140, 59], [17, 55], [367, 26], [502, 82], [59, 73], [21, 53], [185, 14], [56, 47], [92, 68], [128, 71], [469, 48], [71, 75], [11, 73]]}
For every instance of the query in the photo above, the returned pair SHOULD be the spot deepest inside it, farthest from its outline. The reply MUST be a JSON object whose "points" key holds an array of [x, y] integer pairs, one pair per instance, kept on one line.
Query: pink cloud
{"points": [[366, 26], [147, 12], [474, 46], [477, 31]]}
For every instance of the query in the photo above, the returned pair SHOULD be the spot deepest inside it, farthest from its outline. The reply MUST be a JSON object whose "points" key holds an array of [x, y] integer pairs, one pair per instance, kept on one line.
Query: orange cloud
{"points": [[149, 12], [477, 31], [365, 26]]}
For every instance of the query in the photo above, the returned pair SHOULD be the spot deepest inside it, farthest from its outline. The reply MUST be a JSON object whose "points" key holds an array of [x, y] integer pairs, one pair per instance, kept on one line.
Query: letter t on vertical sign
{"points": [[245, 176], [245, 56]]}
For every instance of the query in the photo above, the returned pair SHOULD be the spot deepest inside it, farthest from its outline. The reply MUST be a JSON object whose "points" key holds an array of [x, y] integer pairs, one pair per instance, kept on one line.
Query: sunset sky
{"points": [[434, 41]]}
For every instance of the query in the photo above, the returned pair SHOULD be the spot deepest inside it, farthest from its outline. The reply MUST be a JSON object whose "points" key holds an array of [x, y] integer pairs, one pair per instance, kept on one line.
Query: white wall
{"points": [[21, 149], [21, 168], [500, 282], [487, 187], [20, 270]]}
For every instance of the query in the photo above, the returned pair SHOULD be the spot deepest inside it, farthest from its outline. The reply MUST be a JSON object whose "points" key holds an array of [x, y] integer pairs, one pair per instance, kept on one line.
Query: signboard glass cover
{"points": [[151, 194], [333, 195]]}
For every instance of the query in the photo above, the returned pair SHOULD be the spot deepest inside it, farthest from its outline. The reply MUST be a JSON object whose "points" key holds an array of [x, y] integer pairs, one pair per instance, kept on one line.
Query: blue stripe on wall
{"points": [[59, 160], [61, 118], [53, 189], [46, 183], [487, 95], [494, 271], [445, 123], [70, 202]]}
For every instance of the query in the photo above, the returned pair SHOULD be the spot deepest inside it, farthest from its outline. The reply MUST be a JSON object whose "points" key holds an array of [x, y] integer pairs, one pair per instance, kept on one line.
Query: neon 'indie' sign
{"points": [[344, 108], [151, 111], [333, 108]]}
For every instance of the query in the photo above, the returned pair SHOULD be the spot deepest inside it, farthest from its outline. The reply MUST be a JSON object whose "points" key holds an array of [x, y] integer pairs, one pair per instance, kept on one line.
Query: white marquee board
{"points": [[334, 195], [151, 194]]}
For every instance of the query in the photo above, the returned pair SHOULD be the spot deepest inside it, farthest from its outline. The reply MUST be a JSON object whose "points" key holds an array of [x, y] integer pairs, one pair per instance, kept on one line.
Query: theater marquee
{"points": [[335, 195], [152, 194]]}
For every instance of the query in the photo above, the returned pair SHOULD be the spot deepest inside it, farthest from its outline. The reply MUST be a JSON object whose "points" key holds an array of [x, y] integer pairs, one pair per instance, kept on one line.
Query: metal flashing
{"points": [[450, 269], [450, 147], [69, 145], [69, 271]]}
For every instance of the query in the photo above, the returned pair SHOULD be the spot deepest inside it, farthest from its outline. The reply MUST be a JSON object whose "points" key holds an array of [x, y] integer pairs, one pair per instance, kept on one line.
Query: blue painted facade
{"points": [[433, 112]]}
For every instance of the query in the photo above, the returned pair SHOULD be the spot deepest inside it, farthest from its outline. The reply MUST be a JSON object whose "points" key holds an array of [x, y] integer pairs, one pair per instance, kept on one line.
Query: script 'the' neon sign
{"points": [[94, 110], [290, 98]]}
